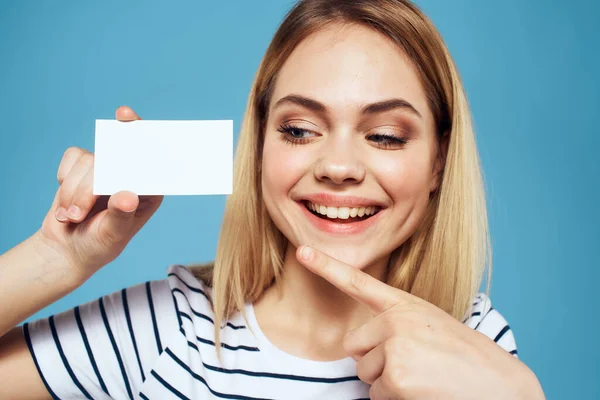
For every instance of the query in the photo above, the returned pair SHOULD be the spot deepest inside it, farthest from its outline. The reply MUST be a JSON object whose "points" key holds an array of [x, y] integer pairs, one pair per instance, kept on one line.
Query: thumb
{"points": [[116, 224]]}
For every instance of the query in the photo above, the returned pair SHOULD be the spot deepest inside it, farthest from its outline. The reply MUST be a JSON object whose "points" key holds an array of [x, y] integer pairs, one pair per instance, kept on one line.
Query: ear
{"points": [[440, 162]]}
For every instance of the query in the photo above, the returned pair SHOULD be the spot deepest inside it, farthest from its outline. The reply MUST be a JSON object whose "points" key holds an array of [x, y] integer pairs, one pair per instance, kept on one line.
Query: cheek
{"points": [[404, 177], [282, 168]]}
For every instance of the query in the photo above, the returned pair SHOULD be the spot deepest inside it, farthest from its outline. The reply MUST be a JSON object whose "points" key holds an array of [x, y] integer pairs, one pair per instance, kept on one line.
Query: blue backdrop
{"points": [[530, 70]]}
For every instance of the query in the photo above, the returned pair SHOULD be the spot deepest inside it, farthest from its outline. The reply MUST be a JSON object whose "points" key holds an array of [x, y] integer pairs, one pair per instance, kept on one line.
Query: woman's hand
{"points": [[411, 349], [102, 225]]}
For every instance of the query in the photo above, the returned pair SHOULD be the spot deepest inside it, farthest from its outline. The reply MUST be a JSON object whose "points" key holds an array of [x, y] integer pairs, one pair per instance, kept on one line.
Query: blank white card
{"points": [[163, 157]]}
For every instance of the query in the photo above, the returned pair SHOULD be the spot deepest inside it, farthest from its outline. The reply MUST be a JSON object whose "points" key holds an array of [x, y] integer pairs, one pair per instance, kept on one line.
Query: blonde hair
{"points": [[444, 261]]}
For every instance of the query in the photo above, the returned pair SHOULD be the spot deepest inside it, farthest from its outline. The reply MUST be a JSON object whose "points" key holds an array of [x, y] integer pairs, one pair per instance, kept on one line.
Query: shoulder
{"points": [[484, 318], [184, 278], [109, 344], [190, 294]]}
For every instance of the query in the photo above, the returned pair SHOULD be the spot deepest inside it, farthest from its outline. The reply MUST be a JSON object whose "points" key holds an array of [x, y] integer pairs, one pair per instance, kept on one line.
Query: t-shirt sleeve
{"points": [[486, 319], [103, 349]]}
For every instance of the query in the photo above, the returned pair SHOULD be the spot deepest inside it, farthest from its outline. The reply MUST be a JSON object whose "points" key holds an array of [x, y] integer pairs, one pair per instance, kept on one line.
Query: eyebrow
{"points": [[369, 109]]}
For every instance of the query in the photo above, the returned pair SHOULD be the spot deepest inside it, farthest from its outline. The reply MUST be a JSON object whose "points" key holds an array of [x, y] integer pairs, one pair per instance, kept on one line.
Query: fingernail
{"points": [[74, 212], [61, 214], [307, 253]]}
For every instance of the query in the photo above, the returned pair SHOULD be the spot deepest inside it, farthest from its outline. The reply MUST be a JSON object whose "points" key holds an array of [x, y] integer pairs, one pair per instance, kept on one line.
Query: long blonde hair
{"points": [[444, 261]]}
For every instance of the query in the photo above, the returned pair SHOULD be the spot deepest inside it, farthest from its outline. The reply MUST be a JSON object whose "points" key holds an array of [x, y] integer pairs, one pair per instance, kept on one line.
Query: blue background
{"points": [[530, 70]]}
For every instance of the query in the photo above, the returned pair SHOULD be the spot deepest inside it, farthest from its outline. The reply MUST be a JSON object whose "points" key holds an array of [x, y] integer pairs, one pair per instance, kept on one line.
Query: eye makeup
{"points": [[387, 141], [294, 135]]}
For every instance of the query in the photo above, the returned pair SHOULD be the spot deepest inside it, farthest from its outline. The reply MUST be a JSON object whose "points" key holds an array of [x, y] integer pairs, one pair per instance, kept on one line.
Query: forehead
{"points": [[344, 66]]}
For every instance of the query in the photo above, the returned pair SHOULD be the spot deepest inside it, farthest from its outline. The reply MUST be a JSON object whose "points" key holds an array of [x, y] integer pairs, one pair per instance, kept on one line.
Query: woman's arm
{"points": [[33, 275]]}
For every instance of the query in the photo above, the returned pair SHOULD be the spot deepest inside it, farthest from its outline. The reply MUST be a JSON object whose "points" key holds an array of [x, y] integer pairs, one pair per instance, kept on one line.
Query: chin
{"points": [[356, 256]]}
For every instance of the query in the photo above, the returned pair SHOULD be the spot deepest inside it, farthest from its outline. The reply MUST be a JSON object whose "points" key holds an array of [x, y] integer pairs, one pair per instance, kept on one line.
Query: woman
{"points": [[351, 252]]}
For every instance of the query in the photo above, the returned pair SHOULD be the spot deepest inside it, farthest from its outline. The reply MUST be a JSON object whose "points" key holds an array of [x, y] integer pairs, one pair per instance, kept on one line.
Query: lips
{"points": [[339, 226], [331, 200]]}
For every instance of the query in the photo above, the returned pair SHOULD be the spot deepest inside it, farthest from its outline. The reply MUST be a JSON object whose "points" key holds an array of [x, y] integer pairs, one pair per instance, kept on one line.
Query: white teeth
{"points": [[342, 212], [332, 212]]}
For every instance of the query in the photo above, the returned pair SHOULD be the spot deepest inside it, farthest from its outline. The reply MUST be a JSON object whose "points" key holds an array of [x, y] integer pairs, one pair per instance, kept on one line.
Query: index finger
{"points": [[125, 113], [355, 283]]}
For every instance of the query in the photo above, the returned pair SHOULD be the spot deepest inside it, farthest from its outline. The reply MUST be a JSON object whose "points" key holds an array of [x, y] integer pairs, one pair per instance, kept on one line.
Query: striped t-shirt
{"points": [[155, 341]]}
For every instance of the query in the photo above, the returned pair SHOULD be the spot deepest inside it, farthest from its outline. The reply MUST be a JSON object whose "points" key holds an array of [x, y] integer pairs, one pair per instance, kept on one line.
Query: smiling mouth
{"points": [[342, 215]]}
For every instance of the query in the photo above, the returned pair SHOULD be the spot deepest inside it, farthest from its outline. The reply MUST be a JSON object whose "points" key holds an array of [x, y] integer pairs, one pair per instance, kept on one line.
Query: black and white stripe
{"points": [[155, 340]]}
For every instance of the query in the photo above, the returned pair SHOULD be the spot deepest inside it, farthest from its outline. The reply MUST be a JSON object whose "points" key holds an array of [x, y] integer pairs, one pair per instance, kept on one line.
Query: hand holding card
{"points": [[106, 197]]}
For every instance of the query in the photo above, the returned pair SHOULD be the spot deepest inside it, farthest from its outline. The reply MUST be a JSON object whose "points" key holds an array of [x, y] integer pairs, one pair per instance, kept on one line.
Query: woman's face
{"points": [[349, 157]]}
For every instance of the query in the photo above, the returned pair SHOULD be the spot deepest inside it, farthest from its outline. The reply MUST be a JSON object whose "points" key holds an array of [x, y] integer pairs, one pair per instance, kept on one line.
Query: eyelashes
{"points": [[295, 135], [387, 140]]}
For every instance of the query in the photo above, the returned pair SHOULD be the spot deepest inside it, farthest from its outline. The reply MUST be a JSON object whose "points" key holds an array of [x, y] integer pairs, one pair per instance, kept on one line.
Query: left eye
{"points": [[387, 140]]}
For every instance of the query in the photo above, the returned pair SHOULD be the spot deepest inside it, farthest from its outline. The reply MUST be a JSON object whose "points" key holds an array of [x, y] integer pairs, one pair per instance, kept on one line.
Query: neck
{"points": [[306, 297]]}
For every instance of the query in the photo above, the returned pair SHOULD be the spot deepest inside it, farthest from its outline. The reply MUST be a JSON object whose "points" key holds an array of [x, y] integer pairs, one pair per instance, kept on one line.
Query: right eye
{"points": [[294, 135]]}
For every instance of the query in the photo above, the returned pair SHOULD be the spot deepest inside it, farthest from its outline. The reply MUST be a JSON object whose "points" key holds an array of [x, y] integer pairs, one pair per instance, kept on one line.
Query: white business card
{"points": [[163, 157]]}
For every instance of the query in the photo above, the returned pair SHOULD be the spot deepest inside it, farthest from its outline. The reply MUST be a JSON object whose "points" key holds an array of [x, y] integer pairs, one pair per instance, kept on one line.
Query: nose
{"points": [[339, 165]]}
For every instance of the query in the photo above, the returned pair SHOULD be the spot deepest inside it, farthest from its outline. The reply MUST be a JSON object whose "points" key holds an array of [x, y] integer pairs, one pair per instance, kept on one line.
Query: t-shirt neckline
{"points": [[344, 366]]}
